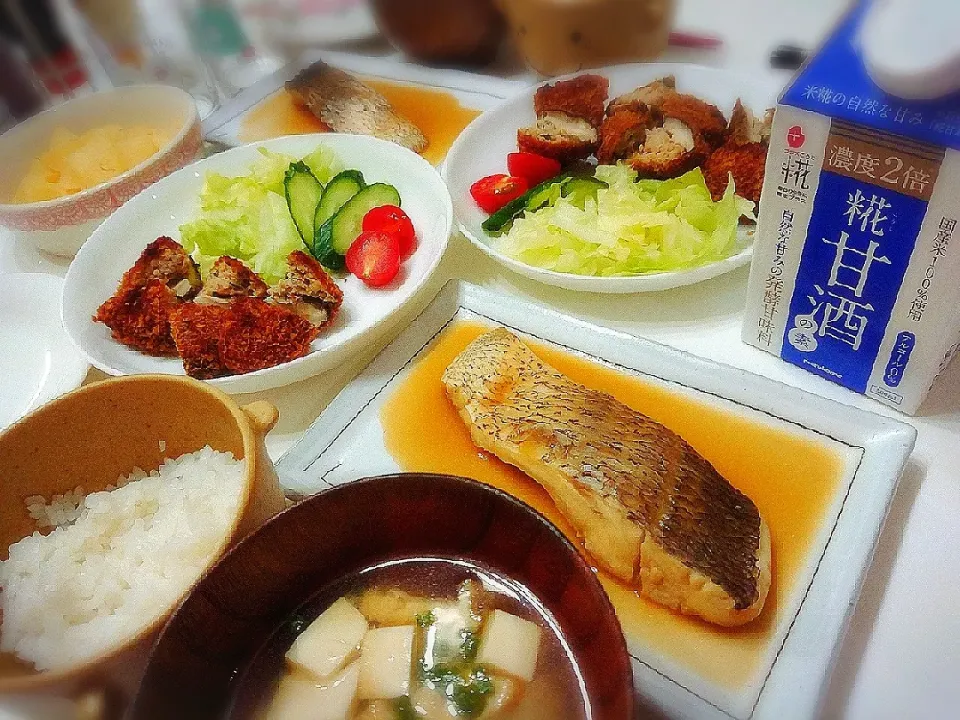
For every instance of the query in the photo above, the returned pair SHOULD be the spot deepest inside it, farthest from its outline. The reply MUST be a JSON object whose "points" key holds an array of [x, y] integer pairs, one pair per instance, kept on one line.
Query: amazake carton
{"points": [[856, 270]]}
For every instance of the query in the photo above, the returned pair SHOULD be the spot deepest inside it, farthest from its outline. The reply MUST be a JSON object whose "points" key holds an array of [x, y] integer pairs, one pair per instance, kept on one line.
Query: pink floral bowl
{"points": [[62, 225]]}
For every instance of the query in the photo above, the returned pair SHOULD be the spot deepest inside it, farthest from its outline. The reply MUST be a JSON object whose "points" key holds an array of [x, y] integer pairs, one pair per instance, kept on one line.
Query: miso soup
{"points": [[426, 638]]}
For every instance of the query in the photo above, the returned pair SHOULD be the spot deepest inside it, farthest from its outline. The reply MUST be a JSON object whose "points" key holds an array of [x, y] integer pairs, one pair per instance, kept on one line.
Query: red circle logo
{"points": [[795, 136]]}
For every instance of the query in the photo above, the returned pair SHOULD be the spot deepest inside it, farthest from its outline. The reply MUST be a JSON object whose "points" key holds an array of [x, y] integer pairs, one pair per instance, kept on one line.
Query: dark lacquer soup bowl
{"points": [[219, 655]]}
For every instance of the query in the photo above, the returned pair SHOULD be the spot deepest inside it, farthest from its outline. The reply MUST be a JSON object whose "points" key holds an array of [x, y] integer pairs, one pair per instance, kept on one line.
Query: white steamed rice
{"points": [[116, 560]]}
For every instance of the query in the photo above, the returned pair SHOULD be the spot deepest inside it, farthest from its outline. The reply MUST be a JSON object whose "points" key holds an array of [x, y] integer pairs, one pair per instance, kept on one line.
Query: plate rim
{"points": [[321, 360], [647, 282], [887, 441]]}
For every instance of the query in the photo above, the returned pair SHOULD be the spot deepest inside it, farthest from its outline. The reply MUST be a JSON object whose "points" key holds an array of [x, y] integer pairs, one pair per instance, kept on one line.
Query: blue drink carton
{"points": [[856, 269]]}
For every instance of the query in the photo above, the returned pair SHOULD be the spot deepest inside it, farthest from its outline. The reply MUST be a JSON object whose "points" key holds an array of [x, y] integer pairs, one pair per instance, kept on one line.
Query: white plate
{"points": [[482, 150], [37, 360], [160, 210], [347, 443]]}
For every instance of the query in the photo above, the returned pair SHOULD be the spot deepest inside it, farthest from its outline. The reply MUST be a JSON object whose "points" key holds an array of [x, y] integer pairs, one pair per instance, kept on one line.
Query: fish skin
{"points": [[347, 105], [649, 508]]}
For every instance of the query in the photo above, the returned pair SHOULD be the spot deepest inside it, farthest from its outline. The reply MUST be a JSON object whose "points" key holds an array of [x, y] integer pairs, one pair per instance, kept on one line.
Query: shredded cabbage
{"points": [[632, 227], [247, 216]]}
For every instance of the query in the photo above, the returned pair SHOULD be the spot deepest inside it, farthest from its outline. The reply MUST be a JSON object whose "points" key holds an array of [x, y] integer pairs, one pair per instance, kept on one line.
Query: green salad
{"points": [[617, 225], [248, 217]]}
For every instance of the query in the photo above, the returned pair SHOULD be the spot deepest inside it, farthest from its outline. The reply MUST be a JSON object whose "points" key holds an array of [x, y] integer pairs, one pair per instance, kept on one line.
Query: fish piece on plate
{"points": [[308, 290], [560, 136], [164, 259], [256, 335], [139, 317], [584, 96], [622, 133], [228, 280], [648, 507], [650, 96], [347, 105], [196, 331]]}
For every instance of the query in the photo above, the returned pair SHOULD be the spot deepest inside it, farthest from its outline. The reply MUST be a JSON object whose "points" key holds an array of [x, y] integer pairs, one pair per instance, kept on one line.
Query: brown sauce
{"points": [[761, 461], [438, 114]]}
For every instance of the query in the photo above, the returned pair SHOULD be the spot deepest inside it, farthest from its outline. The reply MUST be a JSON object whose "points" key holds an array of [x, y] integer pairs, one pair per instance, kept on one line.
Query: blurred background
{"points": [[56, 49]]}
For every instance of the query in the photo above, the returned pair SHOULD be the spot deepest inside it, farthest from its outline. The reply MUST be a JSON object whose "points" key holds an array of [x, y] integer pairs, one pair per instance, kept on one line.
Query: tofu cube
{"points": [[327, 644], [386, 657], [301, 698], [509, 644]]}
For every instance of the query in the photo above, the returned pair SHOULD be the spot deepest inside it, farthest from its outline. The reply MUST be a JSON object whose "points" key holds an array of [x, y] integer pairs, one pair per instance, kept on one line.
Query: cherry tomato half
{"points": [[532, 167], [494, 191], [391, 219], [374, 257]]}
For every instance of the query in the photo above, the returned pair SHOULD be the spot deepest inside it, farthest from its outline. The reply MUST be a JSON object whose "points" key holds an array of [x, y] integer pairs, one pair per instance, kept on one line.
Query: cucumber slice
{"points": [[346, 224], [340, 189], [303, 193], [323, 250], [546, 193]]}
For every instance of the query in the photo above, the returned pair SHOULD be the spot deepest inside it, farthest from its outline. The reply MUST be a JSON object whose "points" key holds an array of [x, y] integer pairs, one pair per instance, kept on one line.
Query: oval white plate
{"points": [[37, 360], [482, 150], [161, 209]]}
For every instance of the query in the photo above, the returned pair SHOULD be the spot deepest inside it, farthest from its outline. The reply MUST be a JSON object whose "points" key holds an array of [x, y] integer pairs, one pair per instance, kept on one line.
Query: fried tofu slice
{"points": [[744, 162], [196, 331], [308, 290], [228, 280], [700, 116], [746, 128], [669, 151], [560, 136], [164, 259], [582, 97], [139, 317], [622, 134], [256, 335], [650, 96]]}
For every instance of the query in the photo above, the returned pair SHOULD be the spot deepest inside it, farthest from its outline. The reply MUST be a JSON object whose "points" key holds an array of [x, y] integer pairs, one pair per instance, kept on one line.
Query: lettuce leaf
{"points": [[247, 217], [633, 227]]}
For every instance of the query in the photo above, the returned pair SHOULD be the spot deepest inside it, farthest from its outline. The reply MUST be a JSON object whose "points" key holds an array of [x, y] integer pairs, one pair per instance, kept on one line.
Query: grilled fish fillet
{"points": [[648, 507], [348, 106]]}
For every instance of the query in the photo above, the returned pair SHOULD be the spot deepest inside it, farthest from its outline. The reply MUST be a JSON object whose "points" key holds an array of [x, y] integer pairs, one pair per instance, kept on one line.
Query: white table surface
{"points": [[901, 657]]}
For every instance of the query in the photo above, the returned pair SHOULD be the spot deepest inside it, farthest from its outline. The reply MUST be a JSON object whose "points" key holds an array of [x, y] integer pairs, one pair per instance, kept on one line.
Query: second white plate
{"points": [[482, 150]]}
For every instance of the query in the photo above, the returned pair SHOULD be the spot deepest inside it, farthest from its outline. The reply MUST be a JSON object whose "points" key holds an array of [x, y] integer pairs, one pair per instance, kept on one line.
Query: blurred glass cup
{"points": [[464, 32], [562, 36]]}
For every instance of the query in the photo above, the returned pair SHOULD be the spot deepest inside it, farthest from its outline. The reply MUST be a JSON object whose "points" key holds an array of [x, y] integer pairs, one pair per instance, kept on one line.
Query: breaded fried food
{"points": [[228, 280], [744, 161], [139, 317], [196, 332], [669, 151], [699, 115], [560, 136], [584, 96], [622, 134], [745, 128], [650, 96], [308, 290], [164, 259], [255, 335]]}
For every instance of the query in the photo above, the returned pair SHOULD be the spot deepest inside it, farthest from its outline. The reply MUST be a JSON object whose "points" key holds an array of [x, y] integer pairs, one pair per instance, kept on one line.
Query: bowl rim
{"points": [[39, 680], [391, 480], [191, 119]]}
